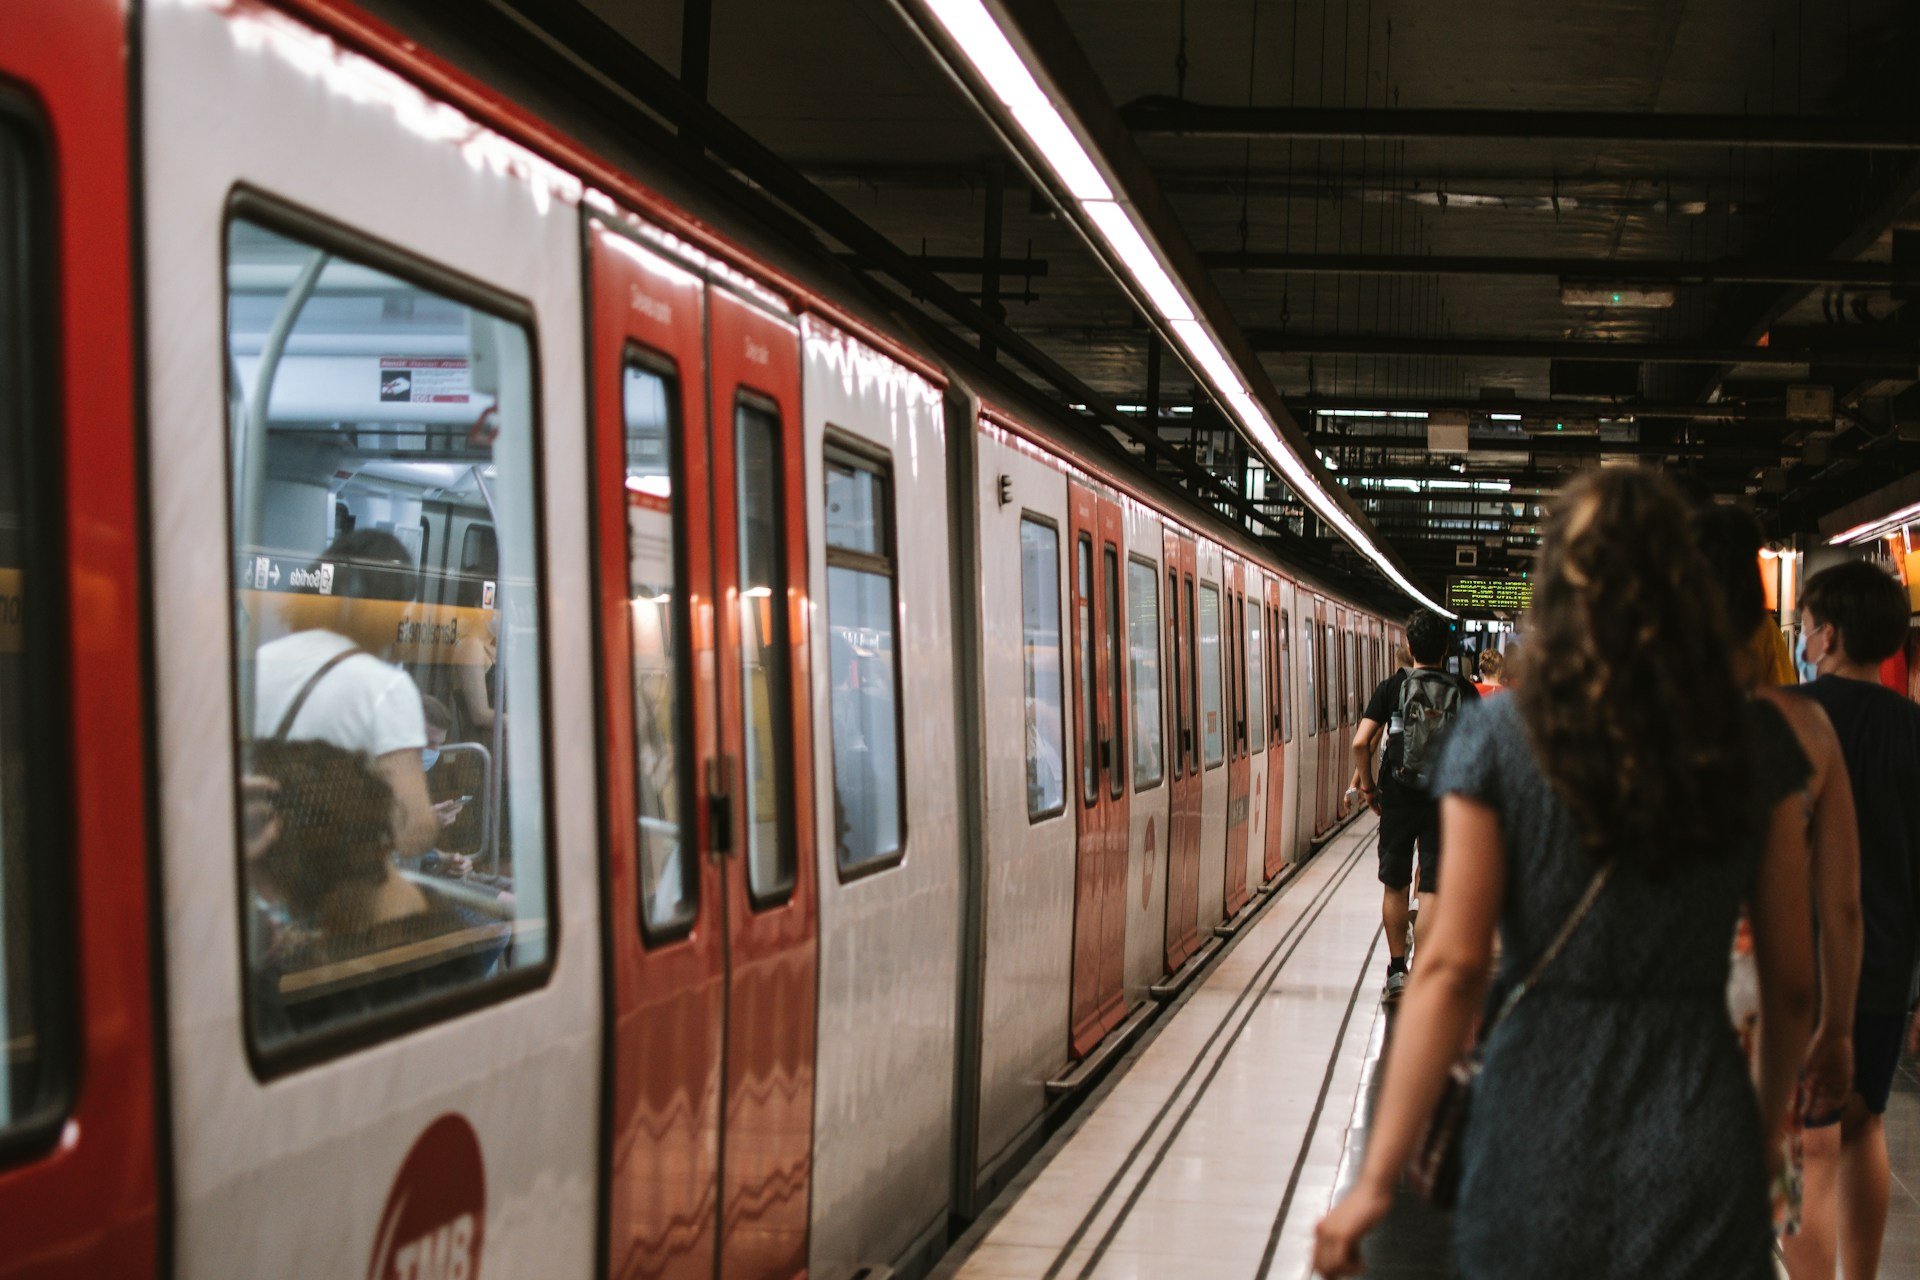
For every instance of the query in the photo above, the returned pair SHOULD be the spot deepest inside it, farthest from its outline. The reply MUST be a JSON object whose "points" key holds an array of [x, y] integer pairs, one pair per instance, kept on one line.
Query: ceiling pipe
{"points": [[1743, 411], [1282, 342], [1556, 446], [1163, 115], [1609, 270]]}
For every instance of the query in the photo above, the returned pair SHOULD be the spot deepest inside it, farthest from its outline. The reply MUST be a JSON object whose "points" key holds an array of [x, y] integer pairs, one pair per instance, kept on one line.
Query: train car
{"points": [[562, 739]]}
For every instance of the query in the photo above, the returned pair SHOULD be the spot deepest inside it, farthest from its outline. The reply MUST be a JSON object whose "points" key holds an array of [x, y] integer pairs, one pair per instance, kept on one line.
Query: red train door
{"points": [[1239, 768], [1100, 820], [1325, 665], [700, 566], [78, 1161], [1183, 823], [1275, 855], [1113, 644]]}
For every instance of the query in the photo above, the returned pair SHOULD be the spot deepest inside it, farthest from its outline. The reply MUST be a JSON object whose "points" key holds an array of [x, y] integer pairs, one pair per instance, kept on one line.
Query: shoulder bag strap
{"points": [[1554, 948], [300, 698]]}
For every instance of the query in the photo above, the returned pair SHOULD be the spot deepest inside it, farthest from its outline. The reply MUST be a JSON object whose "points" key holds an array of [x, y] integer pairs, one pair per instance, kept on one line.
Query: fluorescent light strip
{"points": [[1874, 528], [977, 35]]}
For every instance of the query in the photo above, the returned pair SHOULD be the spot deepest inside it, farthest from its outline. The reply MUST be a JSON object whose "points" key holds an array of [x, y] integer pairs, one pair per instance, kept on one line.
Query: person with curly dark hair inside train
{"points": [[1610, 816], [1414, 707], [1853, 617]]}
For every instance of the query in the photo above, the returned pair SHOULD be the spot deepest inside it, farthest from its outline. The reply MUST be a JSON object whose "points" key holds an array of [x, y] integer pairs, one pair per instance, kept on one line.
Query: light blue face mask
{"points": [[1808, 672], [428, 755]]}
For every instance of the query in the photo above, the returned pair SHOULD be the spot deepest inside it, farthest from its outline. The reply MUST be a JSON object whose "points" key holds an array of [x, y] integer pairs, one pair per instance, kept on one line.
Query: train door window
{"points": [[1284, 674], [868, 820], [1083, 676], [1210, 676], [1230, 646], [1116, 676], [356, 389], [32, 1025], [1181, 729], [1256, 680], [659, 650], [1143, 660], [766, 692], [1329, 676], [1040, 661], [1313, 683], [1194, 705]]}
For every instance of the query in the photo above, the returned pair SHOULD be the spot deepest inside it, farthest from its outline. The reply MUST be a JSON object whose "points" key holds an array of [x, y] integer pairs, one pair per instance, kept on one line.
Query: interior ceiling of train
{"points": [[1697, 256]]}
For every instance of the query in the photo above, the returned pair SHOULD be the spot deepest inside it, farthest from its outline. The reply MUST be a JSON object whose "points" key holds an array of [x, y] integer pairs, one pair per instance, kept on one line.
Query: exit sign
{"points": [[1506, 595]]}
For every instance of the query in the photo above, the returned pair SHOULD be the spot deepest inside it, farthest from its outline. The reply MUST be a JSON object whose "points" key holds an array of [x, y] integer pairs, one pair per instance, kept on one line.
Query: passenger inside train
{"points": [[383, 528]]}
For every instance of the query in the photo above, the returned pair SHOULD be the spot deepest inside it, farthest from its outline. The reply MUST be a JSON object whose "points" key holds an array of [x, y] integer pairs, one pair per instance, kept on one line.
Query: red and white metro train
{"points": [[784, 762]]}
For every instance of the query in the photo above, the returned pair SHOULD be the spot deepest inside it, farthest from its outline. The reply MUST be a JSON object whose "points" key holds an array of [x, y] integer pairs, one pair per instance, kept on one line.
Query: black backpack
{"points": [[1429, 700]]}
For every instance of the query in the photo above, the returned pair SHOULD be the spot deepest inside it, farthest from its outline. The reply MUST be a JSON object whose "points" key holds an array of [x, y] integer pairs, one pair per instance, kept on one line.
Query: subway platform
{"points": [[1221, 1139]]}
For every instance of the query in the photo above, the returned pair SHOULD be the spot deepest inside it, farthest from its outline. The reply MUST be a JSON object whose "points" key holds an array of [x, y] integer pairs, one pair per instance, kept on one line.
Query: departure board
{"points": [[1507, 595]]}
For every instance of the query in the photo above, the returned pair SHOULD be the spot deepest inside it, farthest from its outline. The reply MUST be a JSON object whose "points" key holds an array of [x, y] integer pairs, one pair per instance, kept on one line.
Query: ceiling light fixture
{"points": [[1872, 529], [976, 33]]}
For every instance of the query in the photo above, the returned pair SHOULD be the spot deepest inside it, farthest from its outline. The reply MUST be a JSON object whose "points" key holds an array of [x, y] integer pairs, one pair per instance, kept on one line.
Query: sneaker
{"points": [[1396, 983]]}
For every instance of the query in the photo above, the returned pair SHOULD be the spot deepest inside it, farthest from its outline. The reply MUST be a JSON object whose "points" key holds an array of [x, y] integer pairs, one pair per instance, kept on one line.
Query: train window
{"points": [[1256, 681], [1193, 680], [1181, 729], [32, 1023], [1214, 736], [1040, 665], [1143, 652], [1329, 675], [1284, 674], [1116, 677], [392, 789], [1083, 671], [659, 649], [1307, 666], [868, 822], [766, 691]]}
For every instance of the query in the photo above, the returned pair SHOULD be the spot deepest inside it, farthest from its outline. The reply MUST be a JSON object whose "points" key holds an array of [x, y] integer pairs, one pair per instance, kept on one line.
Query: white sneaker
{"points": [[1396, 983]]}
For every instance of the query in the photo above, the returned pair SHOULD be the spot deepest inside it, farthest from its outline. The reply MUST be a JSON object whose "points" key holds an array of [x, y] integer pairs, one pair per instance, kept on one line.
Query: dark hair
{"points": [[1628, 699], [1729, 538], [1867, 606], [372, 565], [1426, 636], [436, 713], [336, 820]]}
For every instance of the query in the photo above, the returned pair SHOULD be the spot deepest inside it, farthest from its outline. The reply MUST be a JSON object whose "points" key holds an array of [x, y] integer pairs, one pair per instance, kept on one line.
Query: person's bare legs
{"points": [[1866, 1190], [1812, 1253], [1393, 915]]}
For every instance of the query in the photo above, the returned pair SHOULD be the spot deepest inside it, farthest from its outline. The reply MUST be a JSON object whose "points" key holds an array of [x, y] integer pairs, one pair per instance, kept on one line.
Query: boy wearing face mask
{"points": [[449, 785], [1853, 617]]}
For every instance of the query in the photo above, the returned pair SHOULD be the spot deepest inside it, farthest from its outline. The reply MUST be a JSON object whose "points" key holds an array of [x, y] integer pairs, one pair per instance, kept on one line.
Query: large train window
{"points": [[1284, 674], [659, 648], [1083, 672], [1040, 666], [1214, 732], [1116, 674], [391, 768], [32, 1022], [868, 822], [1329, 676], [1256, 678], [1310, 658], [1143, 653], [1182, 730], [766, 691]]}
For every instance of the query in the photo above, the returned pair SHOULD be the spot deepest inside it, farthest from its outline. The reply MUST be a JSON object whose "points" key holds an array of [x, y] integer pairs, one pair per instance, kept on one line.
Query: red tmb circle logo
{"points": [[436, 1212]]}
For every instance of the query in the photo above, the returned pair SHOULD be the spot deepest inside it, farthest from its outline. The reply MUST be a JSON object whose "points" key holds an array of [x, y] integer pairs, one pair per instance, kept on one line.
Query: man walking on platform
{"points": [[1413, 707], [1853, 617]]}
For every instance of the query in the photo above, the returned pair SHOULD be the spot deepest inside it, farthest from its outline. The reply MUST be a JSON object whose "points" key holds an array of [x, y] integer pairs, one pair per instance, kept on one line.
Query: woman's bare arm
{"points": [[1783, 954], [1435, 1017]]}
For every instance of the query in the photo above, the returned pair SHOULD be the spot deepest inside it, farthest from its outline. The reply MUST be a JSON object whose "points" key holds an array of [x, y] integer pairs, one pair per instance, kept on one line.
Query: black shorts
{"points": [[1404, 824], [1877, 1040]]}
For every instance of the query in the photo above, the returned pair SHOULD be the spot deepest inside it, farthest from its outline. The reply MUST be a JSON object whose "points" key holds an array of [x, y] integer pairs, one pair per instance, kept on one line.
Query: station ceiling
{"points": [[1369, 186]]}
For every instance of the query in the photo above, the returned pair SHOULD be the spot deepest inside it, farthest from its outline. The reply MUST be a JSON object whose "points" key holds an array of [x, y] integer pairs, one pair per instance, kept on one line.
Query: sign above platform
{"points": [[1504, 595]]}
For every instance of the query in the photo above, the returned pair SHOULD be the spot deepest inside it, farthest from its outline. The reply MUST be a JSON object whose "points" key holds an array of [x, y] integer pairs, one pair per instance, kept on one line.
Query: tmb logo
{"points": [[436, 1213]]}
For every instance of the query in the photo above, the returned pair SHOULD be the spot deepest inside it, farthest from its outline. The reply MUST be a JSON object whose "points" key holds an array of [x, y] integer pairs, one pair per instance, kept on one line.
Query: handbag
{"points": [[1434, 1170]]}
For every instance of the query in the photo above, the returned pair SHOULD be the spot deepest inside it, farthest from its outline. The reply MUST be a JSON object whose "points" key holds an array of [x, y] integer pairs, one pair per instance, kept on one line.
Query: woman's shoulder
{"points": [[1785, 745]]}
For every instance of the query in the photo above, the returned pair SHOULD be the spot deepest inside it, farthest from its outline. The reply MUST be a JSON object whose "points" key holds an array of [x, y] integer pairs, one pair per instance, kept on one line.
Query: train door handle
{"points": [[720, 806]]}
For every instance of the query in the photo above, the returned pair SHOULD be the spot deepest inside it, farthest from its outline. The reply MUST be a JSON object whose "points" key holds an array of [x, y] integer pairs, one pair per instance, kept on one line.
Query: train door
{"points": [[1343, 706], [1239, 768], [1323, 667], [1253, 630], [1183, 822], [383, 1039], [1278, 675], [1097, 1002], [77, 1139]]}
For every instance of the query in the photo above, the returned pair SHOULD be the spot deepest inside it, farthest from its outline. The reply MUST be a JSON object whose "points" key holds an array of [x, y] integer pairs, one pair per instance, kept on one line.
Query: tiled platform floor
{"points": [[1215, 1147]]}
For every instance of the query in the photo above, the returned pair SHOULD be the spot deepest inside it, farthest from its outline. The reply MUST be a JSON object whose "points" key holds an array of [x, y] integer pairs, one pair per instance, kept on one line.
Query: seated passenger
{"points": [[1610, 818], [354, 700], [356, 935], [452, 783]]}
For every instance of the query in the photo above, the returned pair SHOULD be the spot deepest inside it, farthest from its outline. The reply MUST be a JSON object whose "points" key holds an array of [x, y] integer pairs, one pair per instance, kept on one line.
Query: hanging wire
{"points": [[1246, 147], [1180, 57]]}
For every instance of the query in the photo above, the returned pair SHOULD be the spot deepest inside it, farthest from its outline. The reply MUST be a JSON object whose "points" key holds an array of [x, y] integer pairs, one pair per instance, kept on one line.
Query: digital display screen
{"points": [[1508, 595]]}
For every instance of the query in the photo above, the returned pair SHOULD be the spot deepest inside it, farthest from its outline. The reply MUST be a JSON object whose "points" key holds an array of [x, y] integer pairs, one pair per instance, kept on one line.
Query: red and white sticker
{"points": [[436, 1213]]}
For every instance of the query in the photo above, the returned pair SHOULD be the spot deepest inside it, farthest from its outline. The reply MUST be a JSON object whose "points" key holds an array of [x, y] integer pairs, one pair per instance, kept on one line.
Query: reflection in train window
{"points": [[1083, 671], [863, 665], [1143, 645], [766, 690], [391, 784], [1256, 680], [1040, 666], [1310, 665], [1116, 677], [1285, 676], [658, 634], [28, 1033], [1214, 735]]}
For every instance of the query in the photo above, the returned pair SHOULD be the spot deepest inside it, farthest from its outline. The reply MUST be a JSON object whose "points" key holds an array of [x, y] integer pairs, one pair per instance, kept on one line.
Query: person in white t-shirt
{"points": [[362, 703]]}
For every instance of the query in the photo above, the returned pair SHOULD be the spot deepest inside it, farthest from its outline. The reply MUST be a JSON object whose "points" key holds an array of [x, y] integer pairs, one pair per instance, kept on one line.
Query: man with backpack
{"points": [[1414, 707]]}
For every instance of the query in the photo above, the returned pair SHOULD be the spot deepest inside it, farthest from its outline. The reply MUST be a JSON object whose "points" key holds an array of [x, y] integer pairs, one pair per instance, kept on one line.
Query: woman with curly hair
{"points": [[1610, 817]]}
